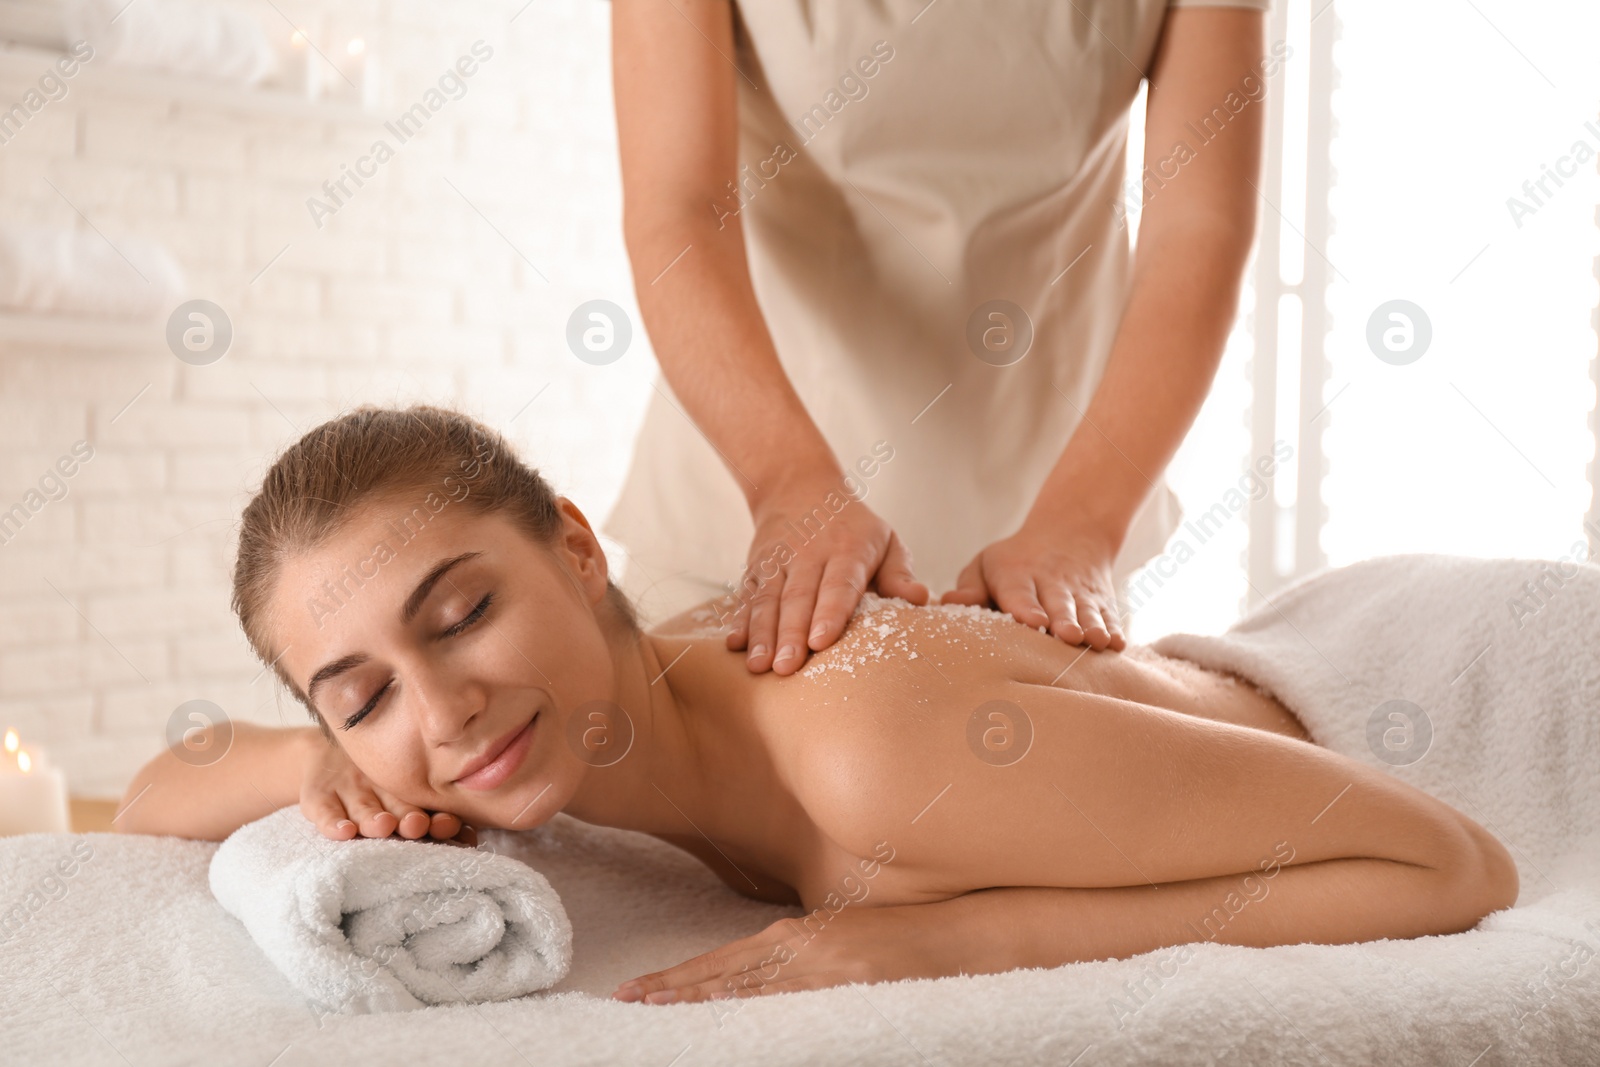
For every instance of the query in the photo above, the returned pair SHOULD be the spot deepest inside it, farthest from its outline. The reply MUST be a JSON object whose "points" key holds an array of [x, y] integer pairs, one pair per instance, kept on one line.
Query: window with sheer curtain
{"points": [[1419, 322]]}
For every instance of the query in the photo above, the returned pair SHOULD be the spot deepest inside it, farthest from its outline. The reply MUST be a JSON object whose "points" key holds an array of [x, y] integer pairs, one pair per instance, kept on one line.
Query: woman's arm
{"points": [[263, 769], [260, 772], [1111, 793], [1329, 902], [677, 134]]}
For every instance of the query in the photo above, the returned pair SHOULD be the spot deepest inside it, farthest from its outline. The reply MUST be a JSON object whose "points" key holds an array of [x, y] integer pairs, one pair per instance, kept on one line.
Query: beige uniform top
{"points": [[906, 164]]}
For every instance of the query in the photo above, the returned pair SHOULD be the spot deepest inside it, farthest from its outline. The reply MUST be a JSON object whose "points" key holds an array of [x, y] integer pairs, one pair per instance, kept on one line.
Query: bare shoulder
{"points": [[916, 705], [868, 731], [894, 652], [929, 640], [699, 620]]}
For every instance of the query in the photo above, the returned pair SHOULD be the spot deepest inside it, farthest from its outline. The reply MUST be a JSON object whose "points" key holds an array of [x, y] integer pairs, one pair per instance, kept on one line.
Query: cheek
{"points": [[555, 651], [392, 764]]}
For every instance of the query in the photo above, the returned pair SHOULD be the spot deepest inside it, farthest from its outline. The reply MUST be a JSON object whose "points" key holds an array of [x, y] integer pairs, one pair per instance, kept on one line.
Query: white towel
{"points": [[375, 925], [57, 271], [1502, 656]]}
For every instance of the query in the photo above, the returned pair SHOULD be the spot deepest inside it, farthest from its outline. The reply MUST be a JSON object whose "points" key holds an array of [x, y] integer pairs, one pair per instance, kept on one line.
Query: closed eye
{"points": [[362, 714], [470, 617], [457, 628]]}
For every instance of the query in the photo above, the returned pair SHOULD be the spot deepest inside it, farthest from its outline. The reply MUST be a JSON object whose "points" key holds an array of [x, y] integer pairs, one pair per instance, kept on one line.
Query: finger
{"points": [[763, 615], [327, 812], [1113, 620], [705, 967], [732, 958], [844, 580], [444, 825], [735, 614], [411, 822], [414, 824], [970, 587], [1063, 609], [795, 609], [1094, 627], [1015, 593], [1064, 615], [748, 984], [369, 813], [894, 577]]}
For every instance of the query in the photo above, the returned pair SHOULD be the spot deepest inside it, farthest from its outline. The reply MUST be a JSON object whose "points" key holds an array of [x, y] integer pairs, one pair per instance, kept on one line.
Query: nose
{"points": [[444, 702]]}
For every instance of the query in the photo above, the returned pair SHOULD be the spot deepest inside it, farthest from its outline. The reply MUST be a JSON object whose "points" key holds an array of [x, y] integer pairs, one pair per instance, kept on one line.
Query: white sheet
{"points": [[1498, 660], [133, 959]]}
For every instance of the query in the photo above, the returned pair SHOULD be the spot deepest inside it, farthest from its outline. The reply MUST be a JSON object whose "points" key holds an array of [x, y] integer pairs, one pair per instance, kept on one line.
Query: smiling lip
{"points": [[496, 765]]}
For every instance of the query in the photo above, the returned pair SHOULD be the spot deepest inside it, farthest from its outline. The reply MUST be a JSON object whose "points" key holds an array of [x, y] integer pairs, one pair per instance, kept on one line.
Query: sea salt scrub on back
{"points": [[880, 628]]}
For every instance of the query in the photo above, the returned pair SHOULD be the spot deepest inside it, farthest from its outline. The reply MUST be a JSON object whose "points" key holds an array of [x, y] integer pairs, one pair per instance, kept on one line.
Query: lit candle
{"points": [[298, 65], [365, 74], [302, 65], [33, 794]]}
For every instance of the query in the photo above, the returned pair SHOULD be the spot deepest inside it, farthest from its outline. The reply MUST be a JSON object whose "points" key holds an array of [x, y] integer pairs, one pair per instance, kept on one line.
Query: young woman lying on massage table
{"points": [[944, 790]]}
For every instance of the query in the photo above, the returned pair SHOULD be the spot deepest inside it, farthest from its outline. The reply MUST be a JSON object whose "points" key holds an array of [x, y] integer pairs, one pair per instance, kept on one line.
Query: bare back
{"points": [[952, 737]]}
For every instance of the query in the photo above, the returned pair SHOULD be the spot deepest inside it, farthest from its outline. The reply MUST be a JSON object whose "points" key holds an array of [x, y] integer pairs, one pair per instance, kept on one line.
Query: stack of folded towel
{"points": [[191, 37], [375, 925], [52, 271], [221, 41]]}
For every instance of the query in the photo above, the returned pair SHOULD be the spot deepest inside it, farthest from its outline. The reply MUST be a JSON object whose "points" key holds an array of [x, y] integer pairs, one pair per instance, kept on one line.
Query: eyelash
{"points": [[362, 714], [471, 617], [466, 621]]}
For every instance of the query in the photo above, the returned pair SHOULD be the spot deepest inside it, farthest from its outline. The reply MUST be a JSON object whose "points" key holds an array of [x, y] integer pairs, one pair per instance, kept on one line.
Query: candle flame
{"points": [[11, 740], [25, 762]]}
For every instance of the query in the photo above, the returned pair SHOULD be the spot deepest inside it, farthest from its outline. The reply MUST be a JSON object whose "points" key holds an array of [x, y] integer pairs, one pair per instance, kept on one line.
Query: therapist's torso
{"points": [[907, 167]]}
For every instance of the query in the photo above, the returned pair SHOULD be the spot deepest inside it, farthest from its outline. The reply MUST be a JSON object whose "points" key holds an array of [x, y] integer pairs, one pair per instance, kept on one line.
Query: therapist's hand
{"points": [[806, 591], [1058, 577]]}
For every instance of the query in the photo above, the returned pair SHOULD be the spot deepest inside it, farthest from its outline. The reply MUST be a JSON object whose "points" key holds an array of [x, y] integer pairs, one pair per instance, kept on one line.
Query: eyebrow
{"points": [[408, 611], [333, 670], [413, 602]]}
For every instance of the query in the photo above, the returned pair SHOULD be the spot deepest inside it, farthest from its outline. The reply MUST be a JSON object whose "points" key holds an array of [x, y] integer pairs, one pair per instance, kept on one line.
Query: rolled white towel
{"points": [[57, 271], [374, 925], [180, 36]]}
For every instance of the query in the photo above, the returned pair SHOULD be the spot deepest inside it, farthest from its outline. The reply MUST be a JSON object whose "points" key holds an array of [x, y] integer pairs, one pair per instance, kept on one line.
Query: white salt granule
{"points": [[867, 641], [706, 617]]}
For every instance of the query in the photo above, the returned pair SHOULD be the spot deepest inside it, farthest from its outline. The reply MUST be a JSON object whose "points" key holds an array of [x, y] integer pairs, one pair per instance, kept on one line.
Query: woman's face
{"points": [[429, 639]]}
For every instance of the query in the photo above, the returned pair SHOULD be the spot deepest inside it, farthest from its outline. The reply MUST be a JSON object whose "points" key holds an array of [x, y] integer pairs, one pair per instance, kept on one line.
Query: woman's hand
{"points": [[336, 796], [806, 590], [1056, 574], [855, 944]]}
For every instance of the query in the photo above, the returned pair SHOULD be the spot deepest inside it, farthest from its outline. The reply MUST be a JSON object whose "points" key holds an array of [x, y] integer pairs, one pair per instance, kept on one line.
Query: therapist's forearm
{"points": [[1180, 307], [714, 348]]}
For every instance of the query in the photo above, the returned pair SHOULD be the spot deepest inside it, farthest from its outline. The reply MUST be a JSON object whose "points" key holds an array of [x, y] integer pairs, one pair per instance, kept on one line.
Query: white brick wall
{"points": [[114, 599]]}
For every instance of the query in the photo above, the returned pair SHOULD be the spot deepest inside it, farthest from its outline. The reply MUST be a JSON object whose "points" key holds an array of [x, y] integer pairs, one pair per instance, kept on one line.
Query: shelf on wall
{"points": [[78, 331], [23, 64]]}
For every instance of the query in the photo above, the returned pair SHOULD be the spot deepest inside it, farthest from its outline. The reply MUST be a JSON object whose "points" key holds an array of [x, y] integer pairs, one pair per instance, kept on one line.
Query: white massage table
{"points": [[131, 961]]}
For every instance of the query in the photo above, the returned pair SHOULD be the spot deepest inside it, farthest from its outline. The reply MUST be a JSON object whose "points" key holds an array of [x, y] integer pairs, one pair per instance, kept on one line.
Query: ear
{"points": [[581, 550]]}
